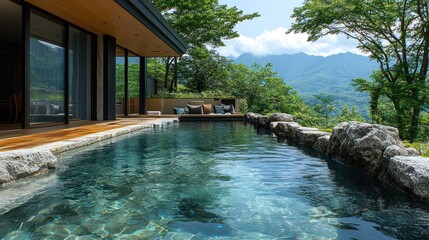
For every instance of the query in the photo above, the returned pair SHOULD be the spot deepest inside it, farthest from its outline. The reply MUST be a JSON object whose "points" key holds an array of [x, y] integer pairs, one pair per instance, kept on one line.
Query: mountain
{"points": [[331, 75]]}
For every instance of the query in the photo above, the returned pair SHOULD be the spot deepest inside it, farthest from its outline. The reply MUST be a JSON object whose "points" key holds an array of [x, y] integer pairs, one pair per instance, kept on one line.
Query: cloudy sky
{"points": [[266, 35]]}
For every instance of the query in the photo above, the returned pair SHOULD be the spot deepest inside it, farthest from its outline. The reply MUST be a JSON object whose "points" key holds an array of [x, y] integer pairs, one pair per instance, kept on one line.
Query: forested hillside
{"points": [[311, 75]]}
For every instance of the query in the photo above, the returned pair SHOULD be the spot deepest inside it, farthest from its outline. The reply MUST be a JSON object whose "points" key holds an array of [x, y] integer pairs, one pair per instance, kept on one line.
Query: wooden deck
{"points": [[35, 137]]}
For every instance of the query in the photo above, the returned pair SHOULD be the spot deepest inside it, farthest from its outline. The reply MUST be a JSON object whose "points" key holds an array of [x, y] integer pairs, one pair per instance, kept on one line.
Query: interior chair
{"points": [[15, 104]]}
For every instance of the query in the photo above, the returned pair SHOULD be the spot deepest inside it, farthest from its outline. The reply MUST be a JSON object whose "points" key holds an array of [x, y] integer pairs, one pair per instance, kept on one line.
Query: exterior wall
{"points": [[102, 65], [166, 105], [100, 78]]}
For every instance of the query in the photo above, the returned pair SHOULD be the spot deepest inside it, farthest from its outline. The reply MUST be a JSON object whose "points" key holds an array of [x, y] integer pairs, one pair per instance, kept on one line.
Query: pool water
{"points": [[209, 181]]}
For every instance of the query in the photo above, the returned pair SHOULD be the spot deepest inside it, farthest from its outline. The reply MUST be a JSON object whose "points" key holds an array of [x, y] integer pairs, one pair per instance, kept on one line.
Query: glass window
{"points": [[47, 70], [133, 83], [10, 65], [79, 74], [120, 81]]}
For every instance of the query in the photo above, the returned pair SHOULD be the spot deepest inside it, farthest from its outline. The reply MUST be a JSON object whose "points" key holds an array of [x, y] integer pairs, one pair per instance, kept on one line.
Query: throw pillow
{"points": [[207, 108], [229, 109], [179, 110], [195, 109], [218, 109]]}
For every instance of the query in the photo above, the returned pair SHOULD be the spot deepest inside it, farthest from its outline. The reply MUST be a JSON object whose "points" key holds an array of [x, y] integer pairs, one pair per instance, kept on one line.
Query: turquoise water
{"points": [[209, 181]]}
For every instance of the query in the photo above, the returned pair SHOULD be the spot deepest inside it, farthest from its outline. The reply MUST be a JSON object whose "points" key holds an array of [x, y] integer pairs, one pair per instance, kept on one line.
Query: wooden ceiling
{"points": [[108, 17]]}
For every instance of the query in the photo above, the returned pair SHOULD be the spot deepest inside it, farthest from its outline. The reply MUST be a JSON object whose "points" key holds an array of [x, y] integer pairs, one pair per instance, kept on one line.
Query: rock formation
{"points": [[363, 145], [412, 174], [19, 164], [375, 149]]}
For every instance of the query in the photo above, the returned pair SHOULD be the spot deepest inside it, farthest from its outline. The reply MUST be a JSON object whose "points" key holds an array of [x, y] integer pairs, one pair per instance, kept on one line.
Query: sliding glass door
{"points": [[47, 70], [133, 83], [80, 74], [127, 82], [10, 65]]}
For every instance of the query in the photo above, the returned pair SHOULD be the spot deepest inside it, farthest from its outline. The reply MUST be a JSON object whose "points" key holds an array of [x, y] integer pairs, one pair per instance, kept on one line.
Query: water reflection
{"points": [[212, 181]]}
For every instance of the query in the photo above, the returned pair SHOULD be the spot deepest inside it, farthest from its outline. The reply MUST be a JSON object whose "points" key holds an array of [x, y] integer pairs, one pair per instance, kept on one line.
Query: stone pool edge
{"points": [[371, 148], [17, 164]]}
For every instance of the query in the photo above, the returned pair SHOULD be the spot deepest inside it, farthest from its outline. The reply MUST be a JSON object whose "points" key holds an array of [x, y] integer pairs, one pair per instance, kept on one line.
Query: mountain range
{"points": [[331, 75]]}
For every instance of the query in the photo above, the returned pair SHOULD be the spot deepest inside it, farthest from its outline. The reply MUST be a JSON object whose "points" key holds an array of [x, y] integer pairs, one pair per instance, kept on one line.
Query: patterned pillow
{"points": [[195, 109]]}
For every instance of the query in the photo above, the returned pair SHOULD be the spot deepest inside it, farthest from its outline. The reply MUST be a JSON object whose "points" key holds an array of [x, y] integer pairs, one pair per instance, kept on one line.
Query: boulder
{"points": [[251, 117], [19, 164], [295, 130], [281, 117], [285, 129], [273, 125], [263, 122], [362, 145], [393, 151], [412, 174], [322, 143], [309, 138]]}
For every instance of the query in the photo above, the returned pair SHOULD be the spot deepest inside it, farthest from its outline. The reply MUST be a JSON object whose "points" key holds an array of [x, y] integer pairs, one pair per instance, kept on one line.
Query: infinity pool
{"points": [[208, 181]]}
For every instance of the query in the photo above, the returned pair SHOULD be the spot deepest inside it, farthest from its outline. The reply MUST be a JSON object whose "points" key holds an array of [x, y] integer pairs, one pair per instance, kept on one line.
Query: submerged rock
{"points": [[23, 163]]}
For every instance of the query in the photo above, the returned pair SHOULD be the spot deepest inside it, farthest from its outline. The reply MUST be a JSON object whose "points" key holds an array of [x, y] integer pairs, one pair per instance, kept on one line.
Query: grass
{"points": [[421, 147]]}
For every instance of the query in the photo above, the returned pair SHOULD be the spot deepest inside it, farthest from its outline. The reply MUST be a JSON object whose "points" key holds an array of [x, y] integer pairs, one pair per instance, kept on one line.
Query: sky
{"points": [[266, 35]]}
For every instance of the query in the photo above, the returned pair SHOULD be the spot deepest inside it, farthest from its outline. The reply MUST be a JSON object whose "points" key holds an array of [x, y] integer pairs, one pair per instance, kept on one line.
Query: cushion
{"points": [[195, 109], [218, 109], [55, 109], [179, 110], [38, 108], [229, 109], [207, 108]]}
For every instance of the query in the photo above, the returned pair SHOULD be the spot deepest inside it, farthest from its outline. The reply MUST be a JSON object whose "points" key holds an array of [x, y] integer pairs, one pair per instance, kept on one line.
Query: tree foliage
{"points": [[265, 92], [395, 33], [202, 22], [203, 70], [325, 107]]}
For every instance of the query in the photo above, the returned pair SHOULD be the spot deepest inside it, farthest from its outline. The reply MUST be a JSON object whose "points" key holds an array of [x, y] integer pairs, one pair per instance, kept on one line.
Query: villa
{"points": [[58, 58]]}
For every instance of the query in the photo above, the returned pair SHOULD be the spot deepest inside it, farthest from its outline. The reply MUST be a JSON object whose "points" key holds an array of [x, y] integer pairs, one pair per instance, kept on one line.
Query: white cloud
{"points": [[277, 42]]}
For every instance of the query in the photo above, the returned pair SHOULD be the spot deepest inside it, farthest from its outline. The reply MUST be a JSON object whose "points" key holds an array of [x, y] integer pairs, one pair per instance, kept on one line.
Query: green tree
{"points": [[265, 92], [325, 107], [133, 80], [395, 33], [203, 70], [156, 71], [200, 23], [385, 96], [349, 114]]}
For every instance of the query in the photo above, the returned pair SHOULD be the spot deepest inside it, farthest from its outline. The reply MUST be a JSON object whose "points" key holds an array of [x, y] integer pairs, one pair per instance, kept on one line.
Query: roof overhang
{"points": [[136, 24]]}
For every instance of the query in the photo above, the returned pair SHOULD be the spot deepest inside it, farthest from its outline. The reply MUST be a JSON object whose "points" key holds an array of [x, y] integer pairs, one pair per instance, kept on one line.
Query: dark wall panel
{"points": [[109, 77]]}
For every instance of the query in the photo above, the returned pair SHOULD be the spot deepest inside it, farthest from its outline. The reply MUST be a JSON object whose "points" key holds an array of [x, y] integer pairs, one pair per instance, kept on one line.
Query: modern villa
{"points": [[58, 58]]}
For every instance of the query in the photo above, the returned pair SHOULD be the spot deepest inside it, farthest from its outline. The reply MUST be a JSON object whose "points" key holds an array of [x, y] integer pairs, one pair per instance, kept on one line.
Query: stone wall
{"points": [[375, 149]]}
